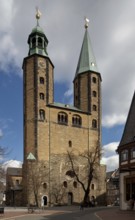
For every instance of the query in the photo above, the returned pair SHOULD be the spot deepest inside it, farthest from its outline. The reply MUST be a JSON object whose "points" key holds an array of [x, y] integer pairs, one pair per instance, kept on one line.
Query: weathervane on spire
{"points": [[86, 22], [38, 15]]}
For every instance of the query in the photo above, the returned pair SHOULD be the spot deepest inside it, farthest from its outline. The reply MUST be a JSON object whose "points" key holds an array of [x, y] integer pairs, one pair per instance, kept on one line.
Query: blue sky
{"points": [[112, 33]]}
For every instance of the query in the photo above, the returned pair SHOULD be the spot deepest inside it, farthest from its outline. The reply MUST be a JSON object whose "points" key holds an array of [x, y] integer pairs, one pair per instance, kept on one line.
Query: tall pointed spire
{"points": [[129, 130], [87, 61]]}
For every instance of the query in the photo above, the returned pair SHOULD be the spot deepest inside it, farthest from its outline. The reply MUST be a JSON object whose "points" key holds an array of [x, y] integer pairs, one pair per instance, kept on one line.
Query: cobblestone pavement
{"points": [[115, 214]]}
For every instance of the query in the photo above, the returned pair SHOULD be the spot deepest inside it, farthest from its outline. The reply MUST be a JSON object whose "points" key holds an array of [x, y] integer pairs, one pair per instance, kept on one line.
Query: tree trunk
{"points": [[86, 197]]}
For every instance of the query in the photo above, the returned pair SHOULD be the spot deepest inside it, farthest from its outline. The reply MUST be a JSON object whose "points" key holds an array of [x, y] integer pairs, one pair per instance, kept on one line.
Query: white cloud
{"points": [[110, 149], [113, 119], [110, 158], [12, 163], [112, 162]]}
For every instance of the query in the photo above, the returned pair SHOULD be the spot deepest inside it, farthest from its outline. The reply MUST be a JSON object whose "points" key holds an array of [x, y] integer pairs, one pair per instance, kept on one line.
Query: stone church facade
{"points": [[52, 129]]}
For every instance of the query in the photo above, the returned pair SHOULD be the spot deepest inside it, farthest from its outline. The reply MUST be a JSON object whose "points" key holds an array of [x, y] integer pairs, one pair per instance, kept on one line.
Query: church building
{"points": [[52, 129]]}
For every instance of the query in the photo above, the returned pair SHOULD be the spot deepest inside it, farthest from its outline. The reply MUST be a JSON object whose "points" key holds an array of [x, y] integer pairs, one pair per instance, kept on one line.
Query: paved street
{"points": [[69, 212], [86, 214]]}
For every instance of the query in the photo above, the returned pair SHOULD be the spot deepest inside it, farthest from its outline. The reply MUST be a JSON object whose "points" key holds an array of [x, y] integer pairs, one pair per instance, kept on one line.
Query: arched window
{"points": [[62, 118], [133, 153], [42, 96], [40, 42], [76, 120], [17, 182], [92, 186], [70, 173], [94, 123], [94, 94], [34, 42], [75, 184], [42, 114], [45, 185], [41, 80], [124, 155], [94, 80], [70, 143], [94, 108], [65, 184]]}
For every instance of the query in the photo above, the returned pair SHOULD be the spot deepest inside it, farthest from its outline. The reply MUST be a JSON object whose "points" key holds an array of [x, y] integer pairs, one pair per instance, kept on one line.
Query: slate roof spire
{"points": [[129, 130], [87, 61]]}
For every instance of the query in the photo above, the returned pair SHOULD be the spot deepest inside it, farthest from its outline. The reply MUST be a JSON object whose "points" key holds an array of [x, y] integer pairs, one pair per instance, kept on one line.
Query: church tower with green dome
{"points": [[52, 129]]}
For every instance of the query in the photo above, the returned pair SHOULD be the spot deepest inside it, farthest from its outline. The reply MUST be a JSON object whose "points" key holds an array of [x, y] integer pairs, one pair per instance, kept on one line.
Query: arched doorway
{"points": [[70, 198], [44, 201]]}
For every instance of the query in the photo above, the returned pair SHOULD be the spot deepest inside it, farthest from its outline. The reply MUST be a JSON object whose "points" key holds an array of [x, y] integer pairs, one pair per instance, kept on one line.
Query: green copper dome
{"points": [[37, 29]]}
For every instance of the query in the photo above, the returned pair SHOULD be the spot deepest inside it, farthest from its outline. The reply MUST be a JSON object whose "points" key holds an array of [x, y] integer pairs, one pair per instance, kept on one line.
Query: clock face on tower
{"points": [[41, 63]]}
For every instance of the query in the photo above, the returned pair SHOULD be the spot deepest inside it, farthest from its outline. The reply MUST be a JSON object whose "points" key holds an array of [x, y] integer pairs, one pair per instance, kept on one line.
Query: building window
{"points": [[94, 123], [42, 96], [94, 94], [45, 185], [65, 184], [94, 80], [76, 120], [75, 184], [133, 153], [70, 143], [62, 118], [41, 80], [92, 186], [17, 182], [40, 42], [70, 173], [94, 108], [33, 42], [124, 155], [130, 187], [42, 114]]}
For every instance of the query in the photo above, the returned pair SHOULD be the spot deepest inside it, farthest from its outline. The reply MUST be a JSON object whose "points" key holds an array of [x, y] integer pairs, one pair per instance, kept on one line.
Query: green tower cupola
{"points": [[37, 40]]}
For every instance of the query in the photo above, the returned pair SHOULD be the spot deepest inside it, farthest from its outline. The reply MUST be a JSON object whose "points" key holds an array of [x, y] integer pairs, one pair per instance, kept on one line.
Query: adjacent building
{"points": [[126, 150]]}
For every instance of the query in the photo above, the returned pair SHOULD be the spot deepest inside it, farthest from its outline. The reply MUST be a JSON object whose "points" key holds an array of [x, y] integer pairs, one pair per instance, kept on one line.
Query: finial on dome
{"points": [[38, 15], [86, 22]]}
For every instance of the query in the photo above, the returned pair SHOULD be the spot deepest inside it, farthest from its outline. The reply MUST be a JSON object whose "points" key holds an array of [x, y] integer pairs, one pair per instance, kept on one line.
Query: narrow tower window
{"points": [[42, 96], [94, 108], [70, 143], [94, 80], [42, 114], [94, 94], [94, 123], [41, 80]]}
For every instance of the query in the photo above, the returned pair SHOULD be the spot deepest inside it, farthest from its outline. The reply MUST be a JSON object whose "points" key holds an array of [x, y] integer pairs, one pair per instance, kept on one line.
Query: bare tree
{"points": [[90, 162], [58, 192]]}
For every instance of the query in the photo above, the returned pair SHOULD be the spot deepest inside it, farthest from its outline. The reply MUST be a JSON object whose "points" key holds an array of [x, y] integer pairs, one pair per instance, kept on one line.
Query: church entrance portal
{"points": [[70, 198]]}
